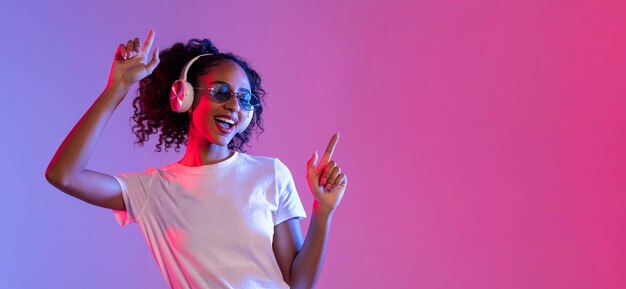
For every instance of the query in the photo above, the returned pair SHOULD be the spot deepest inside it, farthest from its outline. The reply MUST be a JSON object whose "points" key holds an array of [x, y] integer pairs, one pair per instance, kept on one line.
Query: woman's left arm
{"points": [[301, 262]]}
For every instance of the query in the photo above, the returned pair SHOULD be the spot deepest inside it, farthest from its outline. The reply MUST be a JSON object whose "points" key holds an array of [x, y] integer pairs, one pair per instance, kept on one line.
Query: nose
{"points": [[233, 104]]}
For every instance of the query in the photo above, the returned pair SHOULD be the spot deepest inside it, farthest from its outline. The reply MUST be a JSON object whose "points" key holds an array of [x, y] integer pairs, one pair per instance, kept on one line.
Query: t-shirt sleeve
{"points": [[134, 191], [289, 204]]}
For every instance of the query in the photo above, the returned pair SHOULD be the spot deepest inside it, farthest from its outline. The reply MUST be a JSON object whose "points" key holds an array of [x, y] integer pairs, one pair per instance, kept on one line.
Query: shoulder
{"points": [[255, 158], [260, 161], [269, 163], [146, 174]]}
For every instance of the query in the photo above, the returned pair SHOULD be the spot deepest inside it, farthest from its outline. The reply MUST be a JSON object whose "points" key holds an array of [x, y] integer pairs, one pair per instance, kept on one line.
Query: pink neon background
{"points": [[484, 140]]}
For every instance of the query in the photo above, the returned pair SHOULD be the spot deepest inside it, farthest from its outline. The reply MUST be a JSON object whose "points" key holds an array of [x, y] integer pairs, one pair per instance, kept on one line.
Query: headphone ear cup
{"points": [[181, 96], [245, 122]]}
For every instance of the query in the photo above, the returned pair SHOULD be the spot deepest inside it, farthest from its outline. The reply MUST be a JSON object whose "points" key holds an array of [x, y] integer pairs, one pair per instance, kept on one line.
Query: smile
{"points": [[225, 125], [225, 121]]}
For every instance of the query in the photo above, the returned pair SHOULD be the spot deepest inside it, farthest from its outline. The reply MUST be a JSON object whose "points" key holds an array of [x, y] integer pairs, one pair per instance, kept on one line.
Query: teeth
{"points": [[224, 120]]}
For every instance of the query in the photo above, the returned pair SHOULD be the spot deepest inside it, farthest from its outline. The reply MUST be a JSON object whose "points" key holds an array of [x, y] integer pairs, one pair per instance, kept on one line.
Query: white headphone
{"points": [[181, 95]]}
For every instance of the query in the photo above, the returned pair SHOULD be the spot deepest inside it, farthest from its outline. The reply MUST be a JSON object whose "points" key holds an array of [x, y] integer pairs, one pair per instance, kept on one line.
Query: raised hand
{"points": [[326, 180], [131, 63]]}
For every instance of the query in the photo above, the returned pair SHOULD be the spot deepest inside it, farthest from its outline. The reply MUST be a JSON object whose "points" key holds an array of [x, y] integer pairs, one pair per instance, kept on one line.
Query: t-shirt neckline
{"points": [[223, 165]]}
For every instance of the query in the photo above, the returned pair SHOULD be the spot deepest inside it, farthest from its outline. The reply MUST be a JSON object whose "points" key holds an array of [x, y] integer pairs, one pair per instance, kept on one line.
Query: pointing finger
{"points": [[147, 44], [329, 149]]}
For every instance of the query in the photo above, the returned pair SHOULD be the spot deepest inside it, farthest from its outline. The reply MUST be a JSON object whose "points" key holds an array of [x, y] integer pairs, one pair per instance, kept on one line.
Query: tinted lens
{"points": [[244, 101], [220, 92], [245, 97], [248, 101]]}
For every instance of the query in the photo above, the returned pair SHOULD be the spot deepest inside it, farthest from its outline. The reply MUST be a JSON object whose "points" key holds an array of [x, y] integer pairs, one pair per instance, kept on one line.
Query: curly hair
{"points": [[152, 111]]}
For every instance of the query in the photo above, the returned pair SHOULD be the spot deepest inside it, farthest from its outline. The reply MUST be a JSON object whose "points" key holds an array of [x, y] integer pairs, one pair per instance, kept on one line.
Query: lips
{"points": [[225, 123], [224, 130]]}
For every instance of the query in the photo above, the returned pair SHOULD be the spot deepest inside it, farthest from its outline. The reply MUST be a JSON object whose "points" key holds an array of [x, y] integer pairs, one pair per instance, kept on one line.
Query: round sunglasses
{"points": [[221, 92]]}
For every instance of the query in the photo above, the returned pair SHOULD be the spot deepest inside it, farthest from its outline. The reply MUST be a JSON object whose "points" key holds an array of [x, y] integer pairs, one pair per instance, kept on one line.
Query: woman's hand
{"points": [[131, 63], [326, 180]]}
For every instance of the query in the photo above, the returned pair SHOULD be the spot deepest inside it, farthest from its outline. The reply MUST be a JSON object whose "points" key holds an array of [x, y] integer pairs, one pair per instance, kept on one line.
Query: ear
{"points": [[245, 122]]}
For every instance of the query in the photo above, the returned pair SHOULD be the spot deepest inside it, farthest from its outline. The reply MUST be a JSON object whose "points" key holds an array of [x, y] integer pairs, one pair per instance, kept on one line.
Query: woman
{"points": [[218, 218]]}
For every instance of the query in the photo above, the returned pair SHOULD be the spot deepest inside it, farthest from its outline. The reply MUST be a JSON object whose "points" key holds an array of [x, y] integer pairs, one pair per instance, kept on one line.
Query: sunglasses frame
{"points": [[245, 105]]}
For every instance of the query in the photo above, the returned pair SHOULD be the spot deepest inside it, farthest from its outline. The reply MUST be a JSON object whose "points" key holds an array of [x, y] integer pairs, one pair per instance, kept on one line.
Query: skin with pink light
{"points": [[300, 259]]}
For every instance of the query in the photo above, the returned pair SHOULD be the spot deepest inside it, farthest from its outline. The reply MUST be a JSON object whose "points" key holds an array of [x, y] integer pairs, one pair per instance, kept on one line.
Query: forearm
{"points": [[307, 265], [74, 153]]}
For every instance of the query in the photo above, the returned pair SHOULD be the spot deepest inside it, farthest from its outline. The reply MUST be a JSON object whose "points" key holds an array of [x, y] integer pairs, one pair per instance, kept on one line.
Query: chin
{"points": [[222, 140]]}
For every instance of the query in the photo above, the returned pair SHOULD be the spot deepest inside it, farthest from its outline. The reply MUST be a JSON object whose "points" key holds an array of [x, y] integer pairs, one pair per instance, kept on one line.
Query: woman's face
{"points": [[209, 118]]}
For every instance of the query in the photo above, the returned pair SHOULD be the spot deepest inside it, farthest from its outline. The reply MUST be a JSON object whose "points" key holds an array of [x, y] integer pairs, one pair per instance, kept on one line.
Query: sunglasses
{"points": [[221, 92]]}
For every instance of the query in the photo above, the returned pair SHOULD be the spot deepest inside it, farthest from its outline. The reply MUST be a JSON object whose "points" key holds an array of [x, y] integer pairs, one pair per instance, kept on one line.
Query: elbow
{"points": [[302, 277], [52, 177], [301, 284], [55, 177]]}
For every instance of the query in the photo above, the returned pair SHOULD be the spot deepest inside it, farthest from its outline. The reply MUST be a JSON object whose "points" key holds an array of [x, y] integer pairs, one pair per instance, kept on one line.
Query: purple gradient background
{"points": [[484, 140]]}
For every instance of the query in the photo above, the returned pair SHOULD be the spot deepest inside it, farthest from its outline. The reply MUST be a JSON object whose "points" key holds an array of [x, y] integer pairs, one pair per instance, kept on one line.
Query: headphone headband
{"points": [[183, 73]]}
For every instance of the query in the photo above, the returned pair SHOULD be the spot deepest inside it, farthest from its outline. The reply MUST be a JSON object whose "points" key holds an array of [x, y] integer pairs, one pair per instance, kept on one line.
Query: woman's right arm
{"points": [[66, 170]]}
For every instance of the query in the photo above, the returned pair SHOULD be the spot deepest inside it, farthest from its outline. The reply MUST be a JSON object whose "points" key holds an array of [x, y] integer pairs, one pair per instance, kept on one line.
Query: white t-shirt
{"points": [[212, 226]]}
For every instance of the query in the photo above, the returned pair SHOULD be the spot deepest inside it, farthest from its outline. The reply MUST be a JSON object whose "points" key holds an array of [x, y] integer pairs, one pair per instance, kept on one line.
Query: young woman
{"points": [[218, 218]]}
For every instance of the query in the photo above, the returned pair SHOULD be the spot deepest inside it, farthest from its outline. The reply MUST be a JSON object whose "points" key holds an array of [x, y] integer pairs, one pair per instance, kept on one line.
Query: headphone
{"points": [[181, 95]]}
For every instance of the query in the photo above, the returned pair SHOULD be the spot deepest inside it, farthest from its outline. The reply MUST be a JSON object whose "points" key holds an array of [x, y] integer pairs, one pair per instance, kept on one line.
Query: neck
{"points": [[201, 152]]}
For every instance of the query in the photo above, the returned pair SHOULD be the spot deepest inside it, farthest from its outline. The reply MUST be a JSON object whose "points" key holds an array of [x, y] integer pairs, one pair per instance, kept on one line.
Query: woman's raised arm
{"points": [[66, 170]]}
